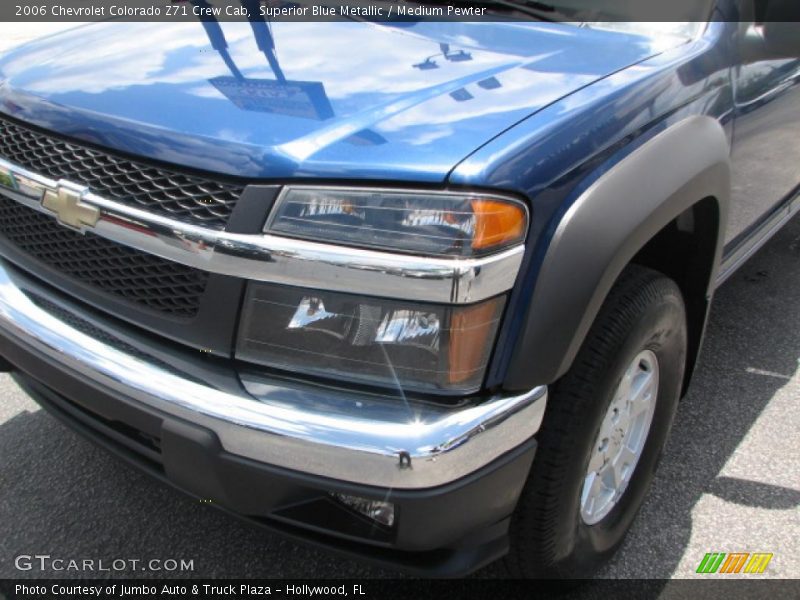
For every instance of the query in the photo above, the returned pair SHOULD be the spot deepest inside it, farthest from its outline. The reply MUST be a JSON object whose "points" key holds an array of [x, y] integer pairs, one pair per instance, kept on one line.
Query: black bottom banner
{"points": [[405, 589]]}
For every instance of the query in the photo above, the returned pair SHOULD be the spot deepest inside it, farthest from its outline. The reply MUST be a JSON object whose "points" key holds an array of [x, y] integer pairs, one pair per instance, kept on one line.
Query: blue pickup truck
{"points": [[427, 293]]}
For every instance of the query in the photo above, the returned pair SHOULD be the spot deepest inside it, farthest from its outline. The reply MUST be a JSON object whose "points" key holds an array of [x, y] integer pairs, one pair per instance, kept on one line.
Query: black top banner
{"points": [[389, 11]]}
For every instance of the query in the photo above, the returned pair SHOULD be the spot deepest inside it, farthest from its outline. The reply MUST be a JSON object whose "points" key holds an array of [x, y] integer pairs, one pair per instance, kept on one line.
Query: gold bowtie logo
{"points": [[66, 203]]}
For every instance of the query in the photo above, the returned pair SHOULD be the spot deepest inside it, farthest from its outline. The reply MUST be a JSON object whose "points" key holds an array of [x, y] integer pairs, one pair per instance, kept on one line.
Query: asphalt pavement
{"points": [[729, 480]]}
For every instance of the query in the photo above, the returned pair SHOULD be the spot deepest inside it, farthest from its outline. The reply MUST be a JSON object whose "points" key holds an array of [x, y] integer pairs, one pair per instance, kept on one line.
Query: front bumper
{"points": [[274, 450]]}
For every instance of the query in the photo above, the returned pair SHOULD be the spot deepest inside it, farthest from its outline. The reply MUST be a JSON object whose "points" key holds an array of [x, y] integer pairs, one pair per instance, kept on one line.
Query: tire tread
{"points": [[534, 527]]}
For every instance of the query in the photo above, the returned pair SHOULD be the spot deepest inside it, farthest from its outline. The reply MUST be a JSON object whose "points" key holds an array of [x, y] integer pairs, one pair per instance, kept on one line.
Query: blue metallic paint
{"points": [[556, 154], [148, 90], [539, 109]]}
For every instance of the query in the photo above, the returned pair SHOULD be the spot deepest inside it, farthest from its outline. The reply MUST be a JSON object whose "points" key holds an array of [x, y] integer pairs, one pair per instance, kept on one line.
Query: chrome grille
{"points": [[181, 196], [137, 277]]}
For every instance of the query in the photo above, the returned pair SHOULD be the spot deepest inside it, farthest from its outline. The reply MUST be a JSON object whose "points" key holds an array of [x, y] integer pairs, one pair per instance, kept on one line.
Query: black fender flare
{"points": [[604, 229]]}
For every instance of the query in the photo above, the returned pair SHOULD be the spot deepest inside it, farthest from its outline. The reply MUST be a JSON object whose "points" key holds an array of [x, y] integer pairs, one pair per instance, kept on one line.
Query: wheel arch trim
{"points": [[602, 230]]}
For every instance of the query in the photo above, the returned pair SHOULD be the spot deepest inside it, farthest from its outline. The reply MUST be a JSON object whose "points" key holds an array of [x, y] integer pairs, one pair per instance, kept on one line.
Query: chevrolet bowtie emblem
{"points": [[65, 202], [63, 199]]}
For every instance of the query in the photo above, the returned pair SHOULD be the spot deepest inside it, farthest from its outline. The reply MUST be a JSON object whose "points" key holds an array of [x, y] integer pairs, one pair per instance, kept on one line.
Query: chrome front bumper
{"points": [[377, 440]]}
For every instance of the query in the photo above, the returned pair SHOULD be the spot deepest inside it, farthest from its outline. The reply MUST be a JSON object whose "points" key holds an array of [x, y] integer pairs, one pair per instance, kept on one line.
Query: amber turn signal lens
{"points": [[472, 331], [497, 223]]}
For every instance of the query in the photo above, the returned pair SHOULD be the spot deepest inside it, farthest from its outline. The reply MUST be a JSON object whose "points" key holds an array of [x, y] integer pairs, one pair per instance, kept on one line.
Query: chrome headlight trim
{"points": [[283, 260]]}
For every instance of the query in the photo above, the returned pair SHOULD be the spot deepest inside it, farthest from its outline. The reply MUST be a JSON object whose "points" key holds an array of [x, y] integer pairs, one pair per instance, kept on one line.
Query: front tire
{"points": [[597, 451]]}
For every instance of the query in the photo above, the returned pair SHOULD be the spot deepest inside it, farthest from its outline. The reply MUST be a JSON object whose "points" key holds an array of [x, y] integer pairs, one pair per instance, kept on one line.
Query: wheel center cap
{"points": [[616, 438]]}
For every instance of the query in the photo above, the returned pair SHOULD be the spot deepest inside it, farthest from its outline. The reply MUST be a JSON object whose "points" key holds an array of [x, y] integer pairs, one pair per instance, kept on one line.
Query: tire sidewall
{"points": [[660, 329]]}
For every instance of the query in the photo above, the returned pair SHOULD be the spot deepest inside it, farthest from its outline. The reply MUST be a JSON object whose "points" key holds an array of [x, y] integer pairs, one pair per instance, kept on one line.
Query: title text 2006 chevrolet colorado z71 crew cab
{"points": [[424, 292]]}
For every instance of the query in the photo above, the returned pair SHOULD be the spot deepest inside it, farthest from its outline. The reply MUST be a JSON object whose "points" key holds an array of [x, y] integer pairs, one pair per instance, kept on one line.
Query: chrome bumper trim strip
{"points": [[367, 439], [267, 257]]}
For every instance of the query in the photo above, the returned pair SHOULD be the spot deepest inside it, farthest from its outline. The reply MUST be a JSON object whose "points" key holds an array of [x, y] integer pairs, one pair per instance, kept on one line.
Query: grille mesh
{"points": [[101, 335], [173, 194], [138, 277]]}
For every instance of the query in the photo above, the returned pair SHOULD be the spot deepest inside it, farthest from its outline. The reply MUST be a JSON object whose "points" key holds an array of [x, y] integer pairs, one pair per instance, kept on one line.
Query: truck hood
{"points": [[336, 100]]}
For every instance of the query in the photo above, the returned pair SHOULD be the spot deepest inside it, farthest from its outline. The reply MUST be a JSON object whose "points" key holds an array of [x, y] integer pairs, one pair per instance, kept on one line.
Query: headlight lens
{"points": [[424, 347], [436, 224]]}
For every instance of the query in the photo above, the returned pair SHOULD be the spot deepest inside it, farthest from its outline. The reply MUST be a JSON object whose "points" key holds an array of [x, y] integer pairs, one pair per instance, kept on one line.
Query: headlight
{"points": [[430, 223], [415, 346]]}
